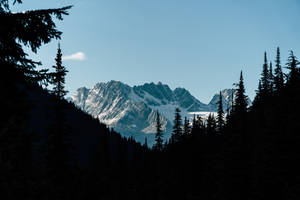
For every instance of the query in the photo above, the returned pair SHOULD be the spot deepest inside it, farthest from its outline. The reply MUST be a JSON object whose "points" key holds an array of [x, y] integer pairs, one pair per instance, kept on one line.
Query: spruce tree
{"points": [[186, 127], [177, 128], [61, 163], [271, 79], [32, 29], [278, 78], [198, 126], [265, 83], [58, 77], [257, 98], [211, 125], [158, 136], [240, 99], [292, 64], [220, 117]]}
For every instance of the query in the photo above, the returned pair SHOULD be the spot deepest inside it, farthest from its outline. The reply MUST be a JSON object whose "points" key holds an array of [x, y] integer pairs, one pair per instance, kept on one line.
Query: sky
{"points": [[200, 45]]}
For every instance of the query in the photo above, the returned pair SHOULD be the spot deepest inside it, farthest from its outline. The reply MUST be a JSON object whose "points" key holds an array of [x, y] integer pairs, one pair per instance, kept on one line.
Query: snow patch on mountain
{"points": [[132, 110]]}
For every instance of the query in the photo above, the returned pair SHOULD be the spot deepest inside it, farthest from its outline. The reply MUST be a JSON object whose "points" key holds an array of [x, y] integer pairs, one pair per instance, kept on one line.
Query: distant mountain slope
{"points": [[132, 110]]}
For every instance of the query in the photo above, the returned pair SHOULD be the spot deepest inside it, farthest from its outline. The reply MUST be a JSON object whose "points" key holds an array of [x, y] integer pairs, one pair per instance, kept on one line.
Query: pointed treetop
{"points": [[265, 58]]}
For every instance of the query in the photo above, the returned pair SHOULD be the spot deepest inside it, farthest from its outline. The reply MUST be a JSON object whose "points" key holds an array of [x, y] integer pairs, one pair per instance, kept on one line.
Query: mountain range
{"points": [[132, 110]]}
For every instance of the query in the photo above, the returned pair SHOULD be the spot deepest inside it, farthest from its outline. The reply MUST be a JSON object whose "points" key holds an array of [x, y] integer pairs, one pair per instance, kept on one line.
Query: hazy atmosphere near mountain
{"points": [[132, 110]]}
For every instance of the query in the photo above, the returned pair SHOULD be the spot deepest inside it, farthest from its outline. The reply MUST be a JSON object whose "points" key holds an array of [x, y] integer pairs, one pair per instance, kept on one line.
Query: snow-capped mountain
{"points": [[132, 110]]}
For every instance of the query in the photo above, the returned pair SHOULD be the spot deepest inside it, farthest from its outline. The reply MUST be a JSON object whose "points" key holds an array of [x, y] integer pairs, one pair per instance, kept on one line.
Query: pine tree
{"points": [[292, 66], [58, 77], [158, 136], [211, 125], [198, 126], [177, 128], [265, 83], [186, 128], [278, 78], [220, 117], [271, 79], [257, 98], [19, 29], [240, 99], [31, 28], [60, 159]]}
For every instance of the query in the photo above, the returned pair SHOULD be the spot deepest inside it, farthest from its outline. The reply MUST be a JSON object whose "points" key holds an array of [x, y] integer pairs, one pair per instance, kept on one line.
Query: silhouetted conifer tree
{"points": [[220, 117], [271, 79], [240, 105], [158, 136], [292, 66], [60, 158], [177, 128], [186, 128], [18, 29], [257, 98], [265, 81], [278, 78], [211, 125], [58, 77], [198, 127], [31, 28]]}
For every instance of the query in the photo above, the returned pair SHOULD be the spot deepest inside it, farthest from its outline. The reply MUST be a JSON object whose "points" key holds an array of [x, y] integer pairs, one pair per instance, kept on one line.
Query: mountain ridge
{"points": [[132, 110]]}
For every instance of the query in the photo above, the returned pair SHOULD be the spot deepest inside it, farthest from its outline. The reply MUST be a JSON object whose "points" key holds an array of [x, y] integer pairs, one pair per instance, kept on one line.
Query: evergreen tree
{"points": [[240, 99], [211, 125], [186, 128], [271, 79], [220, 117], [58, 77], [31, 28], [61, 163], [278, 78], [198, 127], [257, 98], [292, 66], [17, 30], [158, 136], [265, 83], [177, 128]]}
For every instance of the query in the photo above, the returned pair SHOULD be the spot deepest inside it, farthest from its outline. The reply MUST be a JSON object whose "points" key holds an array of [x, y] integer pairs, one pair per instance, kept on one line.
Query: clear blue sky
{"points": [[200, 45]]}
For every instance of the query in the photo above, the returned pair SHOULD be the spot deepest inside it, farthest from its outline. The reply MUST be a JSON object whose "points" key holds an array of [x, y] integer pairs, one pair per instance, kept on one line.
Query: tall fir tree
{"points": [[292, 64], [32, 29], [177, 128], [211, 125], [186, 127], [58, 77], [271, 79], [257, 98], [278, 78], [158, 136], [60, 158], [220, 117], [240, 105], [265, 83]]}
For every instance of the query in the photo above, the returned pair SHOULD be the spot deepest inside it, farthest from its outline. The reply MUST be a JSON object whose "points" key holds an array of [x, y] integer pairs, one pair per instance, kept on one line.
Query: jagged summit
{"points": [[132, 110]]}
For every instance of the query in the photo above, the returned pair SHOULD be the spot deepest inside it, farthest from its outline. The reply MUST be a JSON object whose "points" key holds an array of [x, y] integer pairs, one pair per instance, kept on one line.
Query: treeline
{"points": [[249, 153]]}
